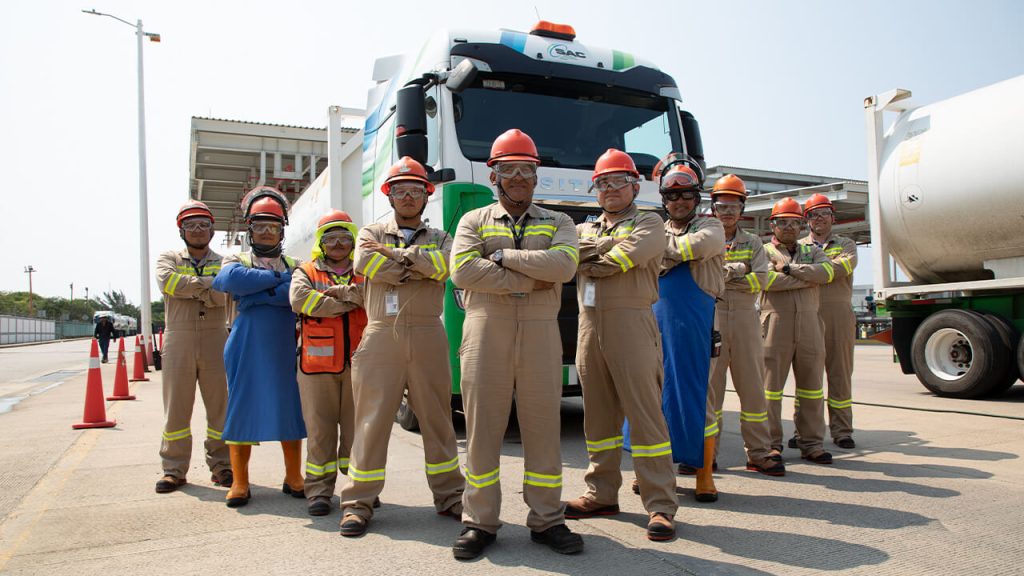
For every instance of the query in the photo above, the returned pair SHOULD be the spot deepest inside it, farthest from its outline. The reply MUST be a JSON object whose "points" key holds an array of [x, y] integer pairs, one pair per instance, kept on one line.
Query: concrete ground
{"points": [[935, 486]]}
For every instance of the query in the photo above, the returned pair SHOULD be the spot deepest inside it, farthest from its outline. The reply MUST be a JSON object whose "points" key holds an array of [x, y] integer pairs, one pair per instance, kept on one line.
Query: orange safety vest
{"points": [[322, 337]]}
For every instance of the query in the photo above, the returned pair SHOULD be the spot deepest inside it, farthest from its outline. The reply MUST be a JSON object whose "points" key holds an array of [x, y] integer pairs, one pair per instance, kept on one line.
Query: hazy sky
{"points": [[775, 85]]}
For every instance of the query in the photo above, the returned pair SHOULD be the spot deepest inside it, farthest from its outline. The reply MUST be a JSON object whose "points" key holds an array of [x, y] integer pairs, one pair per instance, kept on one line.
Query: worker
{"points": [[511, 258], [327, 297], [836, 313], [263, 394], [792, 331], [618, 355], [404, 348], [196, 329], [742, 350], [103, 332]]}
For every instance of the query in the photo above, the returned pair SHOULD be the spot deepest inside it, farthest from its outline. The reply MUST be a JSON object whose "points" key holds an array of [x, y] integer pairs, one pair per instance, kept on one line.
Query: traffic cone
{"points": [[147, 355], [138, 364], [121, 376], [161, 339], [95, 415]]}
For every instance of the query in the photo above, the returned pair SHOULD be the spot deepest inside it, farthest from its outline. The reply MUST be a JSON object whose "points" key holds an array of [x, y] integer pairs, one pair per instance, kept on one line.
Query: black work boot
{"points": [[560, 539], [319, 506], [471, 543]]}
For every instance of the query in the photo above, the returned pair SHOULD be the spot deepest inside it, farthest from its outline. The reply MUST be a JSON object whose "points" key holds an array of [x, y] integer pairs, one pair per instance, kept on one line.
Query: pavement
{"points": [[935, 486]]}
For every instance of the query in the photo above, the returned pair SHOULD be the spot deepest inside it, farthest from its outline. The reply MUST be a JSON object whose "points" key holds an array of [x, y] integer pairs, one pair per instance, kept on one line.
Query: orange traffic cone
{"points": [[95, 415], [121, 377], [161, 340], [138, 364]]}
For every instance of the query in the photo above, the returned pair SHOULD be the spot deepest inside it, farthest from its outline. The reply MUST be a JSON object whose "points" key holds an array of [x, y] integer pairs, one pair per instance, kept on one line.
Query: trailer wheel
{"points": [[958, 354], [1008, 336], [405, 417]]}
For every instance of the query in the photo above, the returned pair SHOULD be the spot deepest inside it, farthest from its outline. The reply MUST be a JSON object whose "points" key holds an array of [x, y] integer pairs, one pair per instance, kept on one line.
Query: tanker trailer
{"points": [[946, 201]]}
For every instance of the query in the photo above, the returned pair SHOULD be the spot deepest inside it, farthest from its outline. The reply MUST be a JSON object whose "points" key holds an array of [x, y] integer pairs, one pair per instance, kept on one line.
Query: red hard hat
{"points": [[729, 185], [680, 177], [818, 201], [406, 169], [193, 208], [614, 161], [513, 146], [786, 208], [334, 216], [266, 202]]}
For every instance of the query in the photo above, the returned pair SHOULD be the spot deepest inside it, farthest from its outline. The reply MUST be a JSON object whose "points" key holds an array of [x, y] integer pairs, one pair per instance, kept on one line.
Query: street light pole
{"points": [[29, 270], [146, 304]]}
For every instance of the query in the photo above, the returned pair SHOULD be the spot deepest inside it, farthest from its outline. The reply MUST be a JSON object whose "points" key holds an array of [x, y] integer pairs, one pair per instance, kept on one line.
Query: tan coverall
{"points": [[403, 347], [619, 357], [742, 353], [511, 346], [840, 323], [195, 333], [327, 406], [792, 336]]}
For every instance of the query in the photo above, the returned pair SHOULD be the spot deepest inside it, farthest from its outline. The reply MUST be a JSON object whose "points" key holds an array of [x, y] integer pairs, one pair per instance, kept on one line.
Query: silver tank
{"points": [[951, 184]]}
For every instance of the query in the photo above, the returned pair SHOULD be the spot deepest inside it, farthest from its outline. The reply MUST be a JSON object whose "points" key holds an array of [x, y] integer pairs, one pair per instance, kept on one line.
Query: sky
{"points": [[775, 85]]}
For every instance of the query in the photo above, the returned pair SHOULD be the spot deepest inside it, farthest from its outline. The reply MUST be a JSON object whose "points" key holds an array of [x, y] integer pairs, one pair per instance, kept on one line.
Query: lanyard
{"points": [[517, 233], [195, 266]]}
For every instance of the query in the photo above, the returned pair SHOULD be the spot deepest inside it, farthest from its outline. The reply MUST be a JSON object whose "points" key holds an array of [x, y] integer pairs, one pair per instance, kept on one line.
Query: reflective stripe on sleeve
{"points": [[572, 252], [831, 271], [755, 284], [465, 257], [371, 268], [620, 258], [172, 283], [311, 301], [772, 276]]}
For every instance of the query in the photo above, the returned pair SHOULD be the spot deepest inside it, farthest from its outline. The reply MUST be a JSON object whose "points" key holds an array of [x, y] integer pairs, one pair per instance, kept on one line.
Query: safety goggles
{"points": [[787, 223], [524, 170], [614, 182], [823, 214], [414, 191], [733, 208], [197, 225], [674, 195], [264, 227], [336, 240]]}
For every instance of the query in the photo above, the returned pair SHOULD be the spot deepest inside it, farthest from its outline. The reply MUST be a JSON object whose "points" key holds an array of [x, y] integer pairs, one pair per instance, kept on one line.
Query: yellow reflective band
{"points": [[621, 232], [846, 265], [685, 248], [240, 443], [572, 252], [177, 434], [540, 230], [738, 255], [620, 258], [810, 394], [483, 480], [376, 261], [328, 468], [589, 235], [772, 275], [492, 231], [604, 444], [434, 257], [652, 450], [840, 404], [753, 416], [465, 257], [834, 250], [828, 268], [434, 469], [755, 284], [213, 434], [542, 480], [365, 475], [711, 430], [311, 302], [172, 283], [770, 395]]}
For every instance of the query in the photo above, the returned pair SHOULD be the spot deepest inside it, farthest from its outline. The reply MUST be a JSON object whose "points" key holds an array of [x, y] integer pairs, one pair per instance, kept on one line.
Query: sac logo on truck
{"points": [[565, 53]]}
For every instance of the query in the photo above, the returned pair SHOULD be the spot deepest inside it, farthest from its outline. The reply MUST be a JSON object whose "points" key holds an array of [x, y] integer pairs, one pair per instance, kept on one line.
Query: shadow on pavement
{"points": [[912, 471], [867, 485]]}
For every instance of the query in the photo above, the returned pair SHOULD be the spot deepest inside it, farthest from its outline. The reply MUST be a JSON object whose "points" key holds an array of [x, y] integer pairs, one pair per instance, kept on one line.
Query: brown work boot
{"points": [[584, 507], [223, 478], [768, 467], [706, 491], [819, 457], [238, 495], [169, 483], [660, 527], [353, 525], [294, 482]]}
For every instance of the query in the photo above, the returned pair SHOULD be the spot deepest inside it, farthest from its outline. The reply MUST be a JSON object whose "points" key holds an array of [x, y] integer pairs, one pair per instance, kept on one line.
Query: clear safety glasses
{"points": [[414, 191], [674, 195], [787, 223], [733, 208], [197, 225], [336, 240], [264, 227], [614, 182], [824, 214], [524, 170]]}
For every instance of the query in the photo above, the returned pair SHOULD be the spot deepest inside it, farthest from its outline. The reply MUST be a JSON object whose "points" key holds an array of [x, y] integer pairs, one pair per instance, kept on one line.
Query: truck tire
{"points": [[1008, 336], [405, 417], [958, 354]]}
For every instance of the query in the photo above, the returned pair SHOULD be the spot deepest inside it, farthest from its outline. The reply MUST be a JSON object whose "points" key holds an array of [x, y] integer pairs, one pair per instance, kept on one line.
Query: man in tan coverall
{"points": [[326, 297], [619, 356], [194, 350], [511, 259], [792, 330], [403, 347], [836, 313]]}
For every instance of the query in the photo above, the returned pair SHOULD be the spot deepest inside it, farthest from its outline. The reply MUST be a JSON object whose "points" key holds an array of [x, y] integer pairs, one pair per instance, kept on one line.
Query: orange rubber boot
{"points": [[706, 491]]}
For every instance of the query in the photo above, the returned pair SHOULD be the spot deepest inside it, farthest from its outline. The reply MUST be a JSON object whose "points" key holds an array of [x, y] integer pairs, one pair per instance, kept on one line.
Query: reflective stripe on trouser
{"points": [[502, 357], [190, 357], [794, 339], [619, 360], [329, 413], [389, 358], [742, 355], [840, 337]]}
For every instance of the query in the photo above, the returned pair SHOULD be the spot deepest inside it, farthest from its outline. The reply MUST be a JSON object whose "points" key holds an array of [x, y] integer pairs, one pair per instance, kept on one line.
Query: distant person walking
{"points": [[103, 332]]}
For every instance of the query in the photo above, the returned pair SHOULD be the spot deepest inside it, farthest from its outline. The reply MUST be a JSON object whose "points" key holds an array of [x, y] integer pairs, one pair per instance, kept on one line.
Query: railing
{"points": [[21, 330]]}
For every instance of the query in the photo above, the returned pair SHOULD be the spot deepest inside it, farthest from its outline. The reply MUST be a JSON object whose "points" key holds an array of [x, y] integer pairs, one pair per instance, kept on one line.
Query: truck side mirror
{"points": [[442, 175], [462, 76], [411, 123], [691, 137]]}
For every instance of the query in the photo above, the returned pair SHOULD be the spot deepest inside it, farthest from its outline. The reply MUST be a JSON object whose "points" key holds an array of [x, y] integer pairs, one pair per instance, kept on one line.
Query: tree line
{"points": [[79, 309]]}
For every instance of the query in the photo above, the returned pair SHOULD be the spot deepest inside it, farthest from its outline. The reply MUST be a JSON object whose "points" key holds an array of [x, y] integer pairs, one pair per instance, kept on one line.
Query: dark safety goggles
{"points": [[674, 195]]}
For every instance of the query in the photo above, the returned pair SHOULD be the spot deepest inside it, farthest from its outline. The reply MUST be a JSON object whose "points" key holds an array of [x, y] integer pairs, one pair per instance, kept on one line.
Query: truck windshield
{"points": [[572, 123]]}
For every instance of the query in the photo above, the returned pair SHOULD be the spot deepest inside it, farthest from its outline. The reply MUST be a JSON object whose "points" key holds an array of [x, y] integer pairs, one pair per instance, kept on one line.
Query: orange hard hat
{"points": [[680, 177], [786, 208], [334, 216], [406, 169], [266, 208], [730, 185], [614, 161], [194, 208], [818, 201], [265, 202], [513, 145]]}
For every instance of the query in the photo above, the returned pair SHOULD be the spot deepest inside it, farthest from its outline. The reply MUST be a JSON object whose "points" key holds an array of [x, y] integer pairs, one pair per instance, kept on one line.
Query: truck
{"points": [[445, 105], [946, 202], [123, 325]]}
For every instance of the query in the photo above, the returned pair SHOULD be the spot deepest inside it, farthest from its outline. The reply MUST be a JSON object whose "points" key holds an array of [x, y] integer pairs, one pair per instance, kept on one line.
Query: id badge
{"points": [[589, 295], [391, 303]]}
